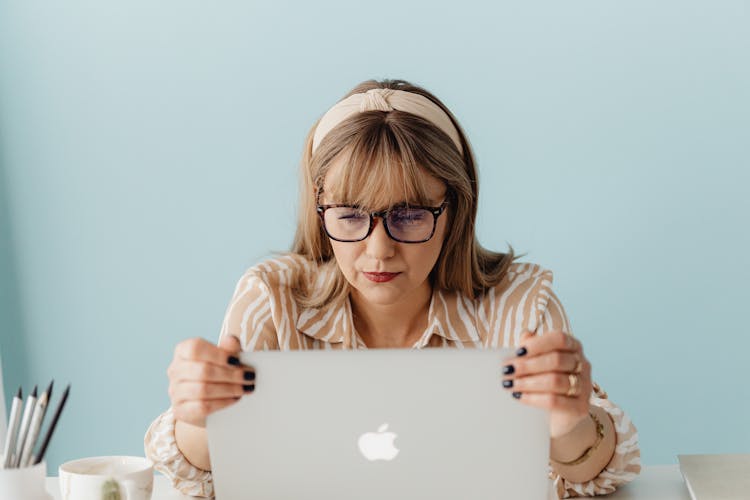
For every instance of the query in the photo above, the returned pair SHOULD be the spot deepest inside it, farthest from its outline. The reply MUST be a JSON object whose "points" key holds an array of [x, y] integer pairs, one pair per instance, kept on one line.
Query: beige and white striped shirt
{"points": [[264, 315]]}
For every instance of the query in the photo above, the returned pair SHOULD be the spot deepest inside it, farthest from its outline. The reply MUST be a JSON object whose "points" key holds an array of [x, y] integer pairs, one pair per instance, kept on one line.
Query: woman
{"points": [[385, 255]]}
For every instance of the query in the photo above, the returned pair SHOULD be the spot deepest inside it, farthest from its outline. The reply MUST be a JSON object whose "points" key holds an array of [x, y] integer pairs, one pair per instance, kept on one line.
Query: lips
{"points": [[380, 277]]}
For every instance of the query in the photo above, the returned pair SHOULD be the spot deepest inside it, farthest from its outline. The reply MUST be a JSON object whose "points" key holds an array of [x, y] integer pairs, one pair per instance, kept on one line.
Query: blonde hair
{"points": [[386, 155]]}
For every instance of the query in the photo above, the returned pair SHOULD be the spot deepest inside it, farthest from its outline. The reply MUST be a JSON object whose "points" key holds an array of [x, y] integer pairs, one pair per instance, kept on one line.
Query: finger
{"points": [[198, 349], [552, 383], [550, 401], [230, 343], [527, 334], [555, 361], [200, 371], [556, 383], [551, 341], [195, 412], [191, 391]]}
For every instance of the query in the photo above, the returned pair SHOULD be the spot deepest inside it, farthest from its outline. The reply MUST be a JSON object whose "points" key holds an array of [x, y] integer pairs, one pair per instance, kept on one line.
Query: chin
{"points": [[382, 301], [381, 296]]}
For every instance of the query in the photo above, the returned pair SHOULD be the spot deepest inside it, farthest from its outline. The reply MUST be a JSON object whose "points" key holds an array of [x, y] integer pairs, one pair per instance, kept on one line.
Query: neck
{"points": [[392, 325]]}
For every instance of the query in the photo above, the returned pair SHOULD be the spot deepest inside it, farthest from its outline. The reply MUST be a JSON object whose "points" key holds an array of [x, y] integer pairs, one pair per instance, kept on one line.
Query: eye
{"points": [[351, 215], [408, 215]]}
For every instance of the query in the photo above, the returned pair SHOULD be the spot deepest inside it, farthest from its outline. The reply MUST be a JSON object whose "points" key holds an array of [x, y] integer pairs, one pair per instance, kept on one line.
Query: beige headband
{"points": [[386, 100]]}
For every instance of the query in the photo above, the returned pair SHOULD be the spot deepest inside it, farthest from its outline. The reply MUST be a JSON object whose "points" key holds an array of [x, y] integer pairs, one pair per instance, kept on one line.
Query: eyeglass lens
{"points": [[405, 224]]}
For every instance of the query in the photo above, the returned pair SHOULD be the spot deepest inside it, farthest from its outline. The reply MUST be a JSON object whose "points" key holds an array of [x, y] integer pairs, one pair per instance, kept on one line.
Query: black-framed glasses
{"points": [[403, 223]]}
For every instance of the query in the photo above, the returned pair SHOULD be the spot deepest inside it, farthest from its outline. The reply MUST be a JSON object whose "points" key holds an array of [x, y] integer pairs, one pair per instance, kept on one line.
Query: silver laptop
{"points": [[379, 424]]}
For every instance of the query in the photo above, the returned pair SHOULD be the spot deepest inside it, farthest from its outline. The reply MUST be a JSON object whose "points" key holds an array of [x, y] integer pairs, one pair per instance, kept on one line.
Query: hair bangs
{"points": [[378, 172]]}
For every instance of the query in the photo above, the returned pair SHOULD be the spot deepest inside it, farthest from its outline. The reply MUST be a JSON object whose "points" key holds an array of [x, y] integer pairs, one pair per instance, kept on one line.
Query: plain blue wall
{"points": [[149, 153]]}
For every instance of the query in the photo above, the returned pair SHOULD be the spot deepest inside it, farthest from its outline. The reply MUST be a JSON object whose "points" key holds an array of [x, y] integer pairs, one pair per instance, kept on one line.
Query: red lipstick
{"points": [[380, 277]]}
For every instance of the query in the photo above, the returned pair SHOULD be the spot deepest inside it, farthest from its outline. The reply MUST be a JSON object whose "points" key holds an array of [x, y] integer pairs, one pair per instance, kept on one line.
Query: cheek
{"points": [[345, 253], [430, 255], [438, 241], [441, 232], [422, 258]]}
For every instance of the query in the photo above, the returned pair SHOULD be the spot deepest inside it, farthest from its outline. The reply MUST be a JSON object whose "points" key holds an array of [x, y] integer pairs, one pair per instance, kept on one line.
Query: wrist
{"points": [[575, 442], [192, 441], [590, 463]]}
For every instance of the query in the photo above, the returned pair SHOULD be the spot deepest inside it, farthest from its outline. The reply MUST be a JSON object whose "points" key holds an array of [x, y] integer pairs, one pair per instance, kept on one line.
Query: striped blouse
{"points": [[264, 315]]}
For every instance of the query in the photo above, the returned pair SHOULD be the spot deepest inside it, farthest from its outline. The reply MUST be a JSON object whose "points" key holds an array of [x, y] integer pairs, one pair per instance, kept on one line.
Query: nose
{"points": [[379, 245]]}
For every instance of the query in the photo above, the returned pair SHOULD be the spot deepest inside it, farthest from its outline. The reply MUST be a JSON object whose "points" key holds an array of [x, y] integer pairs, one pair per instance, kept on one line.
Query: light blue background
{"points": [[140, 142]]}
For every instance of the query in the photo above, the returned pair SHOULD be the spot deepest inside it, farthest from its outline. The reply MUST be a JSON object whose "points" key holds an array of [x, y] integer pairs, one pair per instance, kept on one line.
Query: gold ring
{"points": [[574, 381]]}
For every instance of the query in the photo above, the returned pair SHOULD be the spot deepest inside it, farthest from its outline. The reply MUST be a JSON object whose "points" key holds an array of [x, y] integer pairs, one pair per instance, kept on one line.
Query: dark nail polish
{"points": [[517, 395], [233, 360], [249, 375], [507, 383], [248, 388], [521, 352], [508, 369]]}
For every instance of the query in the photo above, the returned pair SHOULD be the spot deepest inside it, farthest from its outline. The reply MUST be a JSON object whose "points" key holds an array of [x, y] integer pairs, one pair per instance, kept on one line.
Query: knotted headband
{"points": [[386, 100]]}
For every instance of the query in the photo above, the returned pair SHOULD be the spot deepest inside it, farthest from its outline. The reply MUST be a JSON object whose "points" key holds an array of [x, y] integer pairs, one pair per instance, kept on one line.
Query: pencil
{"points": [[28, 411], [53, 424], [10, 437], [36, 424]]}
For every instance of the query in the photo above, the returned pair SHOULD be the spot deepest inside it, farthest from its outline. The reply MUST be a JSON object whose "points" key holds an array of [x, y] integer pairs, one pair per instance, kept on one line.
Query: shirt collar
{"points": [[451, 315]]}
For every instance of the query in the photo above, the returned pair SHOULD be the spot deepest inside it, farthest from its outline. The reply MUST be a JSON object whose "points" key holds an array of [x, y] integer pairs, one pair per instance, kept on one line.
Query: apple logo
{"points": [[378, 445]]}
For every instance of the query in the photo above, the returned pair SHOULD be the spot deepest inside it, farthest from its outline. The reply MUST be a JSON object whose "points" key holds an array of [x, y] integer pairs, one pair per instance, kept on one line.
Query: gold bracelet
{"points": [[586, 454]]}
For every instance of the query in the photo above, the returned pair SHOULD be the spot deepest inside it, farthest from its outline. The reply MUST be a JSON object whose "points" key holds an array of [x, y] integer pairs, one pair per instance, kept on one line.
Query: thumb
{"points": [[230, 343]]}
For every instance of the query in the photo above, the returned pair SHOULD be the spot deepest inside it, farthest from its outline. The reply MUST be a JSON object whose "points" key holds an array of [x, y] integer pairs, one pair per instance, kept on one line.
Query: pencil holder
{"points": [[28, 483]]}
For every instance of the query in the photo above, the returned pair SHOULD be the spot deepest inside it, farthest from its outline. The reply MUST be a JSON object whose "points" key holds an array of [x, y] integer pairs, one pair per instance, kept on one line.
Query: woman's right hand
{"points": [[204, 378]]}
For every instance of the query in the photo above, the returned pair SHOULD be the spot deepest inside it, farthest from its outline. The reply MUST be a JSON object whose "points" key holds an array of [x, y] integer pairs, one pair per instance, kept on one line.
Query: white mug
{"points": [[26, 482], [107, 478]]}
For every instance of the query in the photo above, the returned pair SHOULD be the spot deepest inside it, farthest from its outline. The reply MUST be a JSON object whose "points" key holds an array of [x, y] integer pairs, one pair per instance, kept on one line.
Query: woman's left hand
{"points": [[551, 372]]}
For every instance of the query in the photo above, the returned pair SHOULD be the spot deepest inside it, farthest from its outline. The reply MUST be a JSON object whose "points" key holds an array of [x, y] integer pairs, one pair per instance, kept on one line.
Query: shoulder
{"points": [[528, 269], [264, 293], [521, 279], [518, 302], [281, 270], [262, 299], [525, 286], [280, 276], [280, 264]]}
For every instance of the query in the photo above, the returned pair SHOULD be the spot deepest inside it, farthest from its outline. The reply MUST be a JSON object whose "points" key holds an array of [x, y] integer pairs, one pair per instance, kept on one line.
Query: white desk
{"points": [[656, 482]]}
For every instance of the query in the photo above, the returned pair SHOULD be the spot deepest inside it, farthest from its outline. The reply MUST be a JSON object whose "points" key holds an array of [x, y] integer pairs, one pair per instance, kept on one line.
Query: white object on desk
{"points": [[92, 477], [162, 489], [656, 482], [27, 483], [716, 477]]}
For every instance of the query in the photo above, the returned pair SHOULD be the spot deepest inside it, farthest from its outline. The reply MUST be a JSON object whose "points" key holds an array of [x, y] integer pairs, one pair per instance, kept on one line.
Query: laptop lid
{"points": [[376, 424]]}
